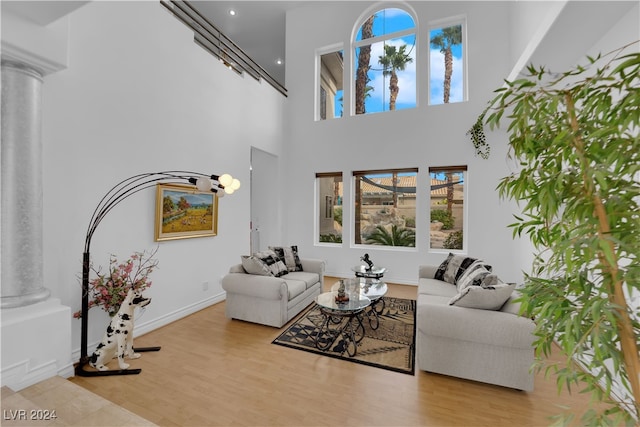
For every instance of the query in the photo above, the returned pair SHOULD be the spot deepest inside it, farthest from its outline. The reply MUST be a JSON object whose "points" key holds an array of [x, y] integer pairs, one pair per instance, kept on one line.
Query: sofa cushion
{"points": [[295, 287], [454, 266], [489, 298], [288, 255], [272, 261], [307, 277], [436, 287]]}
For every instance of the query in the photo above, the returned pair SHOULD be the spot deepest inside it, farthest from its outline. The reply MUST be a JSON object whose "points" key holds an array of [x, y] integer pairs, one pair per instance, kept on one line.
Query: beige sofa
{"points": [[491, 346], [271, 300]]}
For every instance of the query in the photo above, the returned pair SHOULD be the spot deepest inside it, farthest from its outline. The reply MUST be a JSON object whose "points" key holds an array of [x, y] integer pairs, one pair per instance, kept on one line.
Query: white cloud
{"points": [[436, 79], [406, 79]]}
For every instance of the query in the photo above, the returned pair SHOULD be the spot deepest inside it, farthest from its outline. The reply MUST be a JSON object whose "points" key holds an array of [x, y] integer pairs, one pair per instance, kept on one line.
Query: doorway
{"points": [[264, 200]]}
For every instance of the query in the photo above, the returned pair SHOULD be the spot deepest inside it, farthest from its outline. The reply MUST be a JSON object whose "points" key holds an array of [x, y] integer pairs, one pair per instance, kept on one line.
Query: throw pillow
{"points": [[253, 265], [489, 298], [454, 266], [474, 275], [289, 255], [272, 261]]}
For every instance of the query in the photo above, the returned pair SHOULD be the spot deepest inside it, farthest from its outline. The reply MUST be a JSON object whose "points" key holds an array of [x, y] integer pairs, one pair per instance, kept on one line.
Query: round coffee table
{"points": [[371, 288], [341, 315]]}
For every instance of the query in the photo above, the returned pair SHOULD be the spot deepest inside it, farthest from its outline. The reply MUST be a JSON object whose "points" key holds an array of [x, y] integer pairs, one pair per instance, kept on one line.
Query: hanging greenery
{"points": [[575, 140], [478, 138]]}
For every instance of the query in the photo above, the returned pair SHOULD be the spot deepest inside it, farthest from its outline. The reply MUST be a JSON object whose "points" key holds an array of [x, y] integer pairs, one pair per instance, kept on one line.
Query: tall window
{"points": [[331, 76], [385, 207], [329, 191], [447, 226], [446, 64], [384, 55]]}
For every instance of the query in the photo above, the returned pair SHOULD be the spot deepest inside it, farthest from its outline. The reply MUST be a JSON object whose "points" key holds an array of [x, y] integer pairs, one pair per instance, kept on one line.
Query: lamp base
{"points": [[82, 373]]}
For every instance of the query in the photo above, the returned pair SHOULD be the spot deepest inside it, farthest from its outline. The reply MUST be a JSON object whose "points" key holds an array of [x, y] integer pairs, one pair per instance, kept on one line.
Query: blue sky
{"points": [[395, 20]]}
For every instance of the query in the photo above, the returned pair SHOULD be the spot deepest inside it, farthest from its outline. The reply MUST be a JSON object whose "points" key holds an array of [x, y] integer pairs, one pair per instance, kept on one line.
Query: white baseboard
{"points": [[21, 375], [146, 327]]}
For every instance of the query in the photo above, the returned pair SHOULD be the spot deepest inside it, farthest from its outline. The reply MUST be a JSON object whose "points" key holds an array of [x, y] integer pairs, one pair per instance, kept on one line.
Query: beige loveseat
{"points": [[271, 300], [487, 345]]}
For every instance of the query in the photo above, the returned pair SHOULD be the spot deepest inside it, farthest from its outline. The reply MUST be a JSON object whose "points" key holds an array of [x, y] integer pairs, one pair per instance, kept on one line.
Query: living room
{"points": [[133, 93]]}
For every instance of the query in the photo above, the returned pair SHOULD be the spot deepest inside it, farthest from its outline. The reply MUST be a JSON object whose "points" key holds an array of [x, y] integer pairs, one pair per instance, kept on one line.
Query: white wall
{"points": [[140, 96], [421, 137]]}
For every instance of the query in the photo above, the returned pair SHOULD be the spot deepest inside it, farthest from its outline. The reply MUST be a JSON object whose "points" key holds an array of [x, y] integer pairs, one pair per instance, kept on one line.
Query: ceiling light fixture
{"points": [[232, 12], [279, 61]]}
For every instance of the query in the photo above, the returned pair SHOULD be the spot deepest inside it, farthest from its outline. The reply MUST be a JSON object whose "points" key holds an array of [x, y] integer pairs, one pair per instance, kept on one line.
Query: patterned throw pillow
{"points": [[273, 263], [474, 275], [289, 255], [489, 298], [454, 266]]}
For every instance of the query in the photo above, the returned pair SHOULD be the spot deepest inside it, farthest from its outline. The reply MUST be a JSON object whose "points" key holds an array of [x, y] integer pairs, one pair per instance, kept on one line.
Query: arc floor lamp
{"points": [[219, 184]]}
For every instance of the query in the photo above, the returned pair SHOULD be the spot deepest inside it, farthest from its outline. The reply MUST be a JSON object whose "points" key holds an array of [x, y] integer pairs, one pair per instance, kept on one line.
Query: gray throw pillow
{"points": [[489, 298], [253, 265]]}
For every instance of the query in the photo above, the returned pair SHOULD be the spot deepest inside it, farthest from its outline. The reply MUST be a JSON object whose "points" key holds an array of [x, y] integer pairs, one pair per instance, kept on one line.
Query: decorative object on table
{"points": [[183, 212], [579, 196], [342, 295], [391, 346], [218, 184], [368, 261], [118, 339], [108, 290]]}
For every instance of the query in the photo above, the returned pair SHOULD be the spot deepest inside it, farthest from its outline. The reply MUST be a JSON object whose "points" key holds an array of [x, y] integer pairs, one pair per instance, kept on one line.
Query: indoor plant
{"points": [[108, 290], [574, 137]]}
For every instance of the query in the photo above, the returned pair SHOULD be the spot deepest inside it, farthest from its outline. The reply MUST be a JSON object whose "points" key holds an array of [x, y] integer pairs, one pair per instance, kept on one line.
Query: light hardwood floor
{"points": [[212, 371]]}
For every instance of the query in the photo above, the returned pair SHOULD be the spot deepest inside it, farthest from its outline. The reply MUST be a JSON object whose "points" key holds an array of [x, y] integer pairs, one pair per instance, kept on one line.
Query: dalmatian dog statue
{"points": [[118, 339]]}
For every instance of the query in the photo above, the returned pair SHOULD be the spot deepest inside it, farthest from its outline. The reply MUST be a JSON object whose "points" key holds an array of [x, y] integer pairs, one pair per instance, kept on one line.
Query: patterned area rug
{"points": [[391, 346]]}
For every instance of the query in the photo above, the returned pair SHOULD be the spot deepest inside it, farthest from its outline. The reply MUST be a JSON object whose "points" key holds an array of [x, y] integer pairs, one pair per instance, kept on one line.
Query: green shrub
{"points": [[444, 217], [453, 240], [337, 215], [330, 238]]}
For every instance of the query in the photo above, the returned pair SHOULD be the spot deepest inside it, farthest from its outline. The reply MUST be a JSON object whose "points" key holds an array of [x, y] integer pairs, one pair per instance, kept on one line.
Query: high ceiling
{"points": [[258, 27]]}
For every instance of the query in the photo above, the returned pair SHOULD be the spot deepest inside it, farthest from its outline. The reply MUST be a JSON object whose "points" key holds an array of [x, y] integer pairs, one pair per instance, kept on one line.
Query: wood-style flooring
{"points": [[213, 371]]}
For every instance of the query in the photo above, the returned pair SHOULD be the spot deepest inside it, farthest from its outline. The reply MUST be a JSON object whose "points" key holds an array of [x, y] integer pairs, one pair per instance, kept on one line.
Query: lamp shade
{"points": [[225, 179], [203, 184], [235, 184]]}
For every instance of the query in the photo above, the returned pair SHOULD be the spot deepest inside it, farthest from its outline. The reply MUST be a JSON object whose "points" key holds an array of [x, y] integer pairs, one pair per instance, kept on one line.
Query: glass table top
{"points": [[356, 302], [372, 289], [362, 271]]}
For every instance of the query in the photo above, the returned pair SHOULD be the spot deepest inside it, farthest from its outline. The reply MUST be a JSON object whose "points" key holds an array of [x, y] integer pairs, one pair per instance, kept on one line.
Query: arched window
{"points": [[385, 62]]}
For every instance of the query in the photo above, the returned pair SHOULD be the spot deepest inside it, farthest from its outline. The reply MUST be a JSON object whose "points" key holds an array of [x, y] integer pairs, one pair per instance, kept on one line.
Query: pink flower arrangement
{"points": [[109, 290]]}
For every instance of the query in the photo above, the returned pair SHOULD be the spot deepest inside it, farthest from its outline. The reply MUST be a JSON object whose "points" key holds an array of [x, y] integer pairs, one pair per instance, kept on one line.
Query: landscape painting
{"points": [[183, 212]]}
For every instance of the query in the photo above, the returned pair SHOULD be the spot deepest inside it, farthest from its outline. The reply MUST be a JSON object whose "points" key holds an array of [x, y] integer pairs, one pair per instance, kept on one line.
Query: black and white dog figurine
{"points": [[118, 339]]}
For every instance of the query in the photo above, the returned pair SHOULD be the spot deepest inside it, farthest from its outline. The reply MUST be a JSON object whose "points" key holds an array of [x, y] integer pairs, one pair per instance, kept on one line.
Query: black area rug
{"points": [[391, 346]]}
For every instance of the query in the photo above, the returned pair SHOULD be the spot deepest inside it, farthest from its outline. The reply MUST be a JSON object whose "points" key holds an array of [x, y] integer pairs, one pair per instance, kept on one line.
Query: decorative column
{"points": [[22, 205]]}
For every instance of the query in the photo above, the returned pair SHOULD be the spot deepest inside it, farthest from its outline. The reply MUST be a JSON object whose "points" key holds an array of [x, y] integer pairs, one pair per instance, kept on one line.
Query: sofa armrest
{"points": [[427, 271], [267, 287]]}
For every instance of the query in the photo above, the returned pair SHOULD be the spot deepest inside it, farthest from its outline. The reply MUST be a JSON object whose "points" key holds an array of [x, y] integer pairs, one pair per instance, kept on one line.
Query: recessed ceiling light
{"points": [[232, 12], [279, 61]]}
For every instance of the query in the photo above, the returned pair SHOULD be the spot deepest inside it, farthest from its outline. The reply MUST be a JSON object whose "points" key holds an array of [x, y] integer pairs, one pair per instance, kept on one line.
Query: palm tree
{"points": [[397, 236], [394, 60], [448, 38], [362, 72]]}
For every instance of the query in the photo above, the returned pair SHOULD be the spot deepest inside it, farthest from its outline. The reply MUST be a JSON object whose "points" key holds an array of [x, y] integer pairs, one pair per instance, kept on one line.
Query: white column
{"points": [[21, 203]]}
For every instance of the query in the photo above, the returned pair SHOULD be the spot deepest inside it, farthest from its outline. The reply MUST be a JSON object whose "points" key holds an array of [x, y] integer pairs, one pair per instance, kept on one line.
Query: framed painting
{"points": [[182, 212]]}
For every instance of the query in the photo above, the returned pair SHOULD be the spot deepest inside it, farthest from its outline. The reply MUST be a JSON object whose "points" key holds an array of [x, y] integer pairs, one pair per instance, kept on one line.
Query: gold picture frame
{"points": [[183, 212]]}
